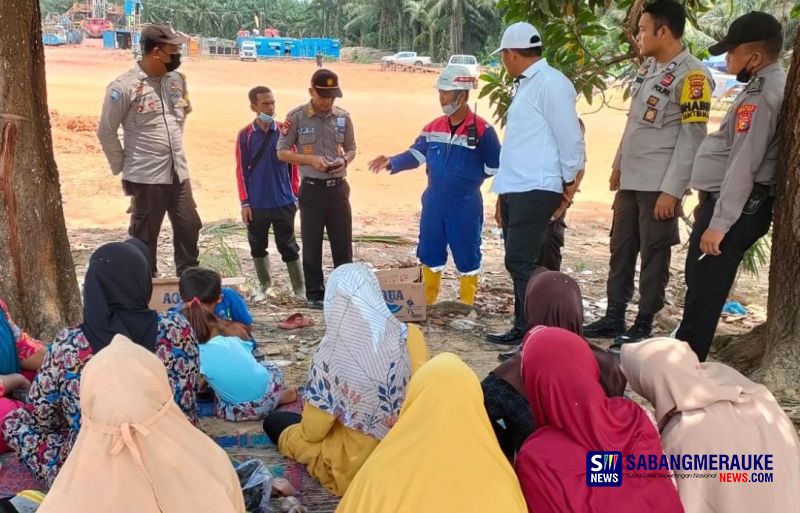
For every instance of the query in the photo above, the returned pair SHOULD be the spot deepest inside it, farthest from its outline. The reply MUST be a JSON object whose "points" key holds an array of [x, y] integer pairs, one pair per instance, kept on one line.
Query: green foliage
{"points": [[435, 27], [54, 6], [590, 41], [757, 257], [498, 89]]}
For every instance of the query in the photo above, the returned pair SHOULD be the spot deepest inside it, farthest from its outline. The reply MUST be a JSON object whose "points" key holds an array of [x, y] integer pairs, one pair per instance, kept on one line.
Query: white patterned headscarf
{"points": [[361, 369]]}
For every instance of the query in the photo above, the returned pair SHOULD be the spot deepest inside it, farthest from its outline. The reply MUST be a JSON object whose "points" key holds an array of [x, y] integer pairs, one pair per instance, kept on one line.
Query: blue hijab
{"points": [[9, 361]]}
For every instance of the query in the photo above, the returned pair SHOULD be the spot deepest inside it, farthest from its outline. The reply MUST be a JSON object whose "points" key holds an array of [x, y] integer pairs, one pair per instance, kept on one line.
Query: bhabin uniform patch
{"points": [[695, 98], [744, 117]]}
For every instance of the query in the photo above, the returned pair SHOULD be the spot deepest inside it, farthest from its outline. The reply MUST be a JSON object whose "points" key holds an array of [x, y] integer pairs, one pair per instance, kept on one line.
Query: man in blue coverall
{"points": [[460, 150]]}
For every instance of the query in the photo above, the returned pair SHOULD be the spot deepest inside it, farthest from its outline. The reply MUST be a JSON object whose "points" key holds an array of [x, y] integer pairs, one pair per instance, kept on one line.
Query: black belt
{"points": [[704, 195], [330, 182], [760, 190]]}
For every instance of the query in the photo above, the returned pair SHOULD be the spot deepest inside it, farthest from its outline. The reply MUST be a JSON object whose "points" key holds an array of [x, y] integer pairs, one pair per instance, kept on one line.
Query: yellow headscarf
{"points": [[442, 454], [136, 451]]}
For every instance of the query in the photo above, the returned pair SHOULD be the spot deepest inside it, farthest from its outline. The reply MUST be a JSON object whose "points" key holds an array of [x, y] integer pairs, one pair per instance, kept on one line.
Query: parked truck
{"points": [[406, 59]]}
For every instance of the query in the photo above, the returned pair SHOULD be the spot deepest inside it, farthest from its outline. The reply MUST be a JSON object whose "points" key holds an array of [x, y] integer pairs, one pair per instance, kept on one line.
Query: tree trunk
{"points": [[780, 367], [37, 276]]}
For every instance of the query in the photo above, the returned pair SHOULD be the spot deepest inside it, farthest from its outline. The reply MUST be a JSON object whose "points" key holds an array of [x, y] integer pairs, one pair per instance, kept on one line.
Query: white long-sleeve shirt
{"points": [[543, 145]]}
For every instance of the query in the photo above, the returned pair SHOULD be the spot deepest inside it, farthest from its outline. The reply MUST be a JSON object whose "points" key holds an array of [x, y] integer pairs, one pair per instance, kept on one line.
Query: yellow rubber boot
{"points": [[433, 281], [469, 287]]}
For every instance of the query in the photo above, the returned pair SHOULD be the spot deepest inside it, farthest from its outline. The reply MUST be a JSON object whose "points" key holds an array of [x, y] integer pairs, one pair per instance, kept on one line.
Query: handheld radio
{"points": [[472, 130]]}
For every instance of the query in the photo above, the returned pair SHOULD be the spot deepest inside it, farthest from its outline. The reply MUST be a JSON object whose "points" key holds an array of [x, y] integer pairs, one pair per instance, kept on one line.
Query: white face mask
{"points": [[451, 108]]}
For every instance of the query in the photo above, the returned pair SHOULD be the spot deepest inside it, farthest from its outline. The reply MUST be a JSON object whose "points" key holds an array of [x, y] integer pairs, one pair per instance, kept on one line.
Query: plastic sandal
{"points": [[296, 321]]}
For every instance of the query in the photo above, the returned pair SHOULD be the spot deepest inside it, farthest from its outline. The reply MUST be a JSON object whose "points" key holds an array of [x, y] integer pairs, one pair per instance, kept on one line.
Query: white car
{"points": [[248, 51], [469, 62], [407, 59]]}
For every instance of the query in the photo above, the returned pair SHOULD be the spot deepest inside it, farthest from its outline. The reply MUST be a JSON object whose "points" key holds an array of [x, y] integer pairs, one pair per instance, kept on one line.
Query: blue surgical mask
{"points": [[265, 118]]}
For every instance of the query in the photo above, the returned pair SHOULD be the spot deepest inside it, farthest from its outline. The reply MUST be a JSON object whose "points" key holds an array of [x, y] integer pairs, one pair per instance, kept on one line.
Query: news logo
{"points": [[603, 468]]}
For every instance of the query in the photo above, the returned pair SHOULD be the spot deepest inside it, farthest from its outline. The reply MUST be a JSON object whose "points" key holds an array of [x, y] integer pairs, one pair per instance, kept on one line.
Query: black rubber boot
{"points": [[610, 325], [642, 328]]}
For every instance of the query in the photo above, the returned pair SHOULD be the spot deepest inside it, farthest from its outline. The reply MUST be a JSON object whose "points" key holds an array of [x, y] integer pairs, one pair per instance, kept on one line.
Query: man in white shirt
{"points": [[542, 153]]}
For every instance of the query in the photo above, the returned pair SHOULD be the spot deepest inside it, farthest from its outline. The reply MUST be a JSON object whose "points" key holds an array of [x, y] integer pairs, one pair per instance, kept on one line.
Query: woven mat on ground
{"points": [[313, 495], [14, 477]]}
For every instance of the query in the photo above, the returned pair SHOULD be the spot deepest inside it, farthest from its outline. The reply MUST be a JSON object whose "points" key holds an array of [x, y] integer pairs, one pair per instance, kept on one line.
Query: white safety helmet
{"points": [[455, 78]]}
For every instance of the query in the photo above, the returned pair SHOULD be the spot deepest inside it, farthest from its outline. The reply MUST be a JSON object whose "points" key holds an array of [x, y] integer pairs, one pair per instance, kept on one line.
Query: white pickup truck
{"points": [[469, 62], [407, 59]]}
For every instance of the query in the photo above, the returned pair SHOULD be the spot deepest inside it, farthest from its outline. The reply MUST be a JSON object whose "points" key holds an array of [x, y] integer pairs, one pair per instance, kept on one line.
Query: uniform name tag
{"points": [[306, 130]]}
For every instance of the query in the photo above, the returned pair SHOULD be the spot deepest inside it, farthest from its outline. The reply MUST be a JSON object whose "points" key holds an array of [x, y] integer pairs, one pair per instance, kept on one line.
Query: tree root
{"points": [[742, 352]]}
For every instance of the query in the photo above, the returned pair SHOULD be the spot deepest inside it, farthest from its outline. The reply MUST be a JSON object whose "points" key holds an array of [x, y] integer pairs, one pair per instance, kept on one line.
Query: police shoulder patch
{"points": [[695, 98], [286, 126], [744, 117], [115, 95]]}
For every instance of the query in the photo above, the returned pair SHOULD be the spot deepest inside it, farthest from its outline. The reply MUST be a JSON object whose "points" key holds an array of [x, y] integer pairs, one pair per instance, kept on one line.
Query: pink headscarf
{"points": [[562, 381]]}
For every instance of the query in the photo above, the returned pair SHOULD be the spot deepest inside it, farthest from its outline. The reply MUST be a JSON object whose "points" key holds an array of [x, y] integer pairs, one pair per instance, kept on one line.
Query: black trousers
{"points": [[708, 281], [510, 414], [150, 203], [276, 422], [525, 216], [550, 252], [282, 221], [324, 209], [635, 231]]}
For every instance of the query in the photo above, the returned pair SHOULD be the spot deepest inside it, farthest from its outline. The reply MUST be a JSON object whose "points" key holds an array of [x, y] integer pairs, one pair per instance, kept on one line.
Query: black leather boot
{"points": [[610, 325]]}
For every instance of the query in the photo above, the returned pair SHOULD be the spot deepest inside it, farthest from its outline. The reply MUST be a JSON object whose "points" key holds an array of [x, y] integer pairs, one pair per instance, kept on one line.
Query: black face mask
{"points": [[744, 74], [174, 62]]}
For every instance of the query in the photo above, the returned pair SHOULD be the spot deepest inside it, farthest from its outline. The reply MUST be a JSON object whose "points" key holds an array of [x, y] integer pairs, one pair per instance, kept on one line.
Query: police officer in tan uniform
{"points": [[325, 145], [666, 123], [734, 173], [150, 103]]}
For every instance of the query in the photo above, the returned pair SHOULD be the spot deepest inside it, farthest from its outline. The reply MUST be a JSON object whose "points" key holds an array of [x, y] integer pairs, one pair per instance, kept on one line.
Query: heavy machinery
{"points": [[96, 16]]}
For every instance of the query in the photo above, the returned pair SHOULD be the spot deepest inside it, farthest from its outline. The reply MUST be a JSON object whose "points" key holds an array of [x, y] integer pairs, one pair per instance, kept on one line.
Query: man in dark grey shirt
{"points": [[325, 145], [734, 173], [150, 103]]}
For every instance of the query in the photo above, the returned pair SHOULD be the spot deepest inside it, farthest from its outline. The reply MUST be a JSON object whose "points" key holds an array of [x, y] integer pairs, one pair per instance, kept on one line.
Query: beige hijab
{"points": [[136, 452], [710, 408]]}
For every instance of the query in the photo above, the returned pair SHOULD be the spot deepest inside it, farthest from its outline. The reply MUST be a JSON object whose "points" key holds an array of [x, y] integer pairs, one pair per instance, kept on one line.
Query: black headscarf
{"points": [[116, 295]]}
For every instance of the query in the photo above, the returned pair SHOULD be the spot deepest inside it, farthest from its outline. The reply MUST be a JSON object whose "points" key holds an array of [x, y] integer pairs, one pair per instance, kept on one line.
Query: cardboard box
{"points": [[404, 293], [166, 294]]}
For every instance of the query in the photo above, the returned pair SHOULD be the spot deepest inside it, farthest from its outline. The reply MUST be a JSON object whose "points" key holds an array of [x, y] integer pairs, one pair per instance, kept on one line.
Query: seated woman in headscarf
{"points": [[551, 299], [710, 408], [117, 290], [140, 454], [441, 455], [573, 416], [356, 382], [20, 357]]}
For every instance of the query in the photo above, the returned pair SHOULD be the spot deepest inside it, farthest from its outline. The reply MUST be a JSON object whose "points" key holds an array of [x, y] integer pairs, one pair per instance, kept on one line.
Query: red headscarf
{"points": [[573, 415]]}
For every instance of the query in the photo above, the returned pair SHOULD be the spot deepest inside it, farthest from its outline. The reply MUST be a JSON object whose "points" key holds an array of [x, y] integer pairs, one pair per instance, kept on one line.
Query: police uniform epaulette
{"points": [[297, 109], [755, 85], [338, 111]]}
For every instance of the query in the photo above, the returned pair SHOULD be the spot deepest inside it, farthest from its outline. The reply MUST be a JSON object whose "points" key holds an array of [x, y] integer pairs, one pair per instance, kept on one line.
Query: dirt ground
{"points": [[388, 110]]}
